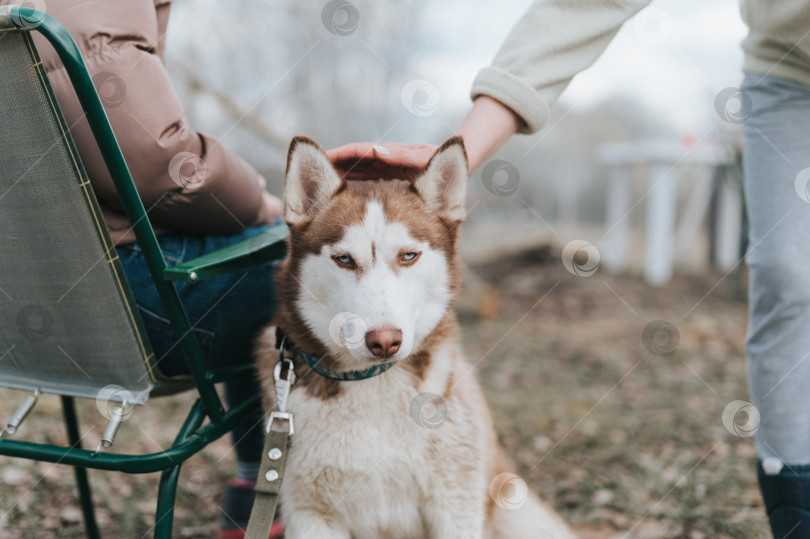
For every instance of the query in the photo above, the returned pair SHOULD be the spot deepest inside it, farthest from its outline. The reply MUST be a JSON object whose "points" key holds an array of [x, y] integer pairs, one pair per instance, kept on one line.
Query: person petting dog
{"points": [[555, 40]]}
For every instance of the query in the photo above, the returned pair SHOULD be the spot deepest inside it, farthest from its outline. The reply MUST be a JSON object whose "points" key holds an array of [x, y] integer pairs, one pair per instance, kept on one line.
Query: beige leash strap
{"points": [[268, 484], [274, 456]]}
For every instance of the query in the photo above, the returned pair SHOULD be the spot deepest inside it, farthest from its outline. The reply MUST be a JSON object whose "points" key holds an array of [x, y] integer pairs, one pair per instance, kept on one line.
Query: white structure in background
{"points": [[664, 160]]}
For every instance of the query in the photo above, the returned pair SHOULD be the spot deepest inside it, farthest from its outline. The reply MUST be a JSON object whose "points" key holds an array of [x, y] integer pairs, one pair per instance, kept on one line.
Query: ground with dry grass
{"points": [[618, 438]]}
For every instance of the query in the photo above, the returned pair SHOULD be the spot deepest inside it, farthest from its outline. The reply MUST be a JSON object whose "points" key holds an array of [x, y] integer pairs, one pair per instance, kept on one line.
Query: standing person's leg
{"points": [[227, 313], [776, 151]]}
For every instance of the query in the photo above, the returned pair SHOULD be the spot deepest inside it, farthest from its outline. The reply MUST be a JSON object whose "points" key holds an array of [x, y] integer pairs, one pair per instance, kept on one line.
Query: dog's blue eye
{"points": [[410, 256], [344, 260]]}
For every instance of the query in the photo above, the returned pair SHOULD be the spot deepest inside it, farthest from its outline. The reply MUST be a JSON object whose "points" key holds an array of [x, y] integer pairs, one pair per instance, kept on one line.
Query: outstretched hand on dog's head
{"points": [[391, 160]]}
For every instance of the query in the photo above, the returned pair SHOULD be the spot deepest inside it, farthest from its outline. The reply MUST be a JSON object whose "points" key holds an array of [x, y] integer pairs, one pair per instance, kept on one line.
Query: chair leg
{"points": [[167, 491], [83, 484]]}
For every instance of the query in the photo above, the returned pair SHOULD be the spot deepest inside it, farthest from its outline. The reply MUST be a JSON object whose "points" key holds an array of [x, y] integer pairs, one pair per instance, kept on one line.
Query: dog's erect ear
{"points": [[311, 180], [443, 184]]}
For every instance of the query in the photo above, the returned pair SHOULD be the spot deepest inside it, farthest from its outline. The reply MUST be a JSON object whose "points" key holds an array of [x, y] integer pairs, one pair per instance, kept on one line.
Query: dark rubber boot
{"points": [[236, 511], [787, 500]]}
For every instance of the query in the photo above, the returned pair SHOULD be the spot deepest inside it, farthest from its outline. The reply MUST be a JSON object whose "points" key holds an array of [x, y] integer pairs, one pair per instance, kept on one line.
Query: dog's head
{"points": [[372, 267]]}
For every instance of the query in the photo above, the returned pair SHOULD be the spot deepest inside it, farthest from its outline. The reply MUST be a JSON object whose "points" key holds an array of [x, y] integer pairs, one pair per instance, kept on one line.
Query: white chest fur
{"points": [[359, 461]]}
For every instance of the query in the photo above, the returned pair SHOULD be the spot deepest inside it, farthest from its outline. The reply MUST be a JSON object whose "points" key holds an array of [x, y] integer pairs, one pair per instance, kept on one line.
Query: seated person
{"points": [[199, 197]]}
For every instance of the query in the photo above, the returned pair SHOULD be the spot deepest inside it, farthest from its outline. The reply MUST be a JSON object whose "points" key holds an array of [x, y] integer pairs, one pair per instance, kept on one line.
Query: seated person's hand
{"points": [[272, 206], [386, 161]]}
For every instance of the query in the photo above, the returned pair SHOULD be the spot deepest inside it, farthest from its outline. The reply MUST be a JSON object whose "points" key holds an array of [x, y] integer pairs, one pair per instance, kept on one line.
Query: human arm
{"points": [[187, 180], [487, 126], [121, 46], [548, 46]]}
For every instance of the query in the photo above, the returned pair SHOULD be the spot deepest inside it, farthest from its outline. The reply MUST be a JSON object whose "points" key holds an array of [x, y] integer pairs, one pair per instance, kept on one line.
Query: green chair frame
{"points": [[192, 436]]}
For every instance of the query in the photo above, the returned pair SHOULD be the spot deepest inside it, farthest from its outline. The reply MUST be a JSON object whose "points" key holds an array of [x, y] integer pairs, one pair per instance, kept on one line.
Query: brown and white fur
{"points": [[361, 466]]}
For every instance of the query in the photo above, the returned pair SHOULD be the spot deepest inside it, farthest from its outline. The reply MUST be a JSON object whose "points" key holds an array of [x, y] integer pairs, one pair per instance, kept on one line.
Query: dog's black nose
{"points": [[384, 342]]}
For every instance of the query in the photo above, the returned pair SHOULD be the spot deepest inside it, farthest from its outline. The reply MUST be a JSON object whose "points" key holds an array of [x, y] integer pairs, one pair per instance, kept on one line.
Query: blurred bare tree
{"points": [[256, 73]]}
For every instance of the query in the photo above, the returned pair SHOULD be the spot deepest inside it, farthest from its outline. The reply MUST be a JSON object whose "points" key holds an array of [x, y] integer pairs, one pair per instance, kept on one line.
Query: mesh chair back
{"points": [[68, 324]]}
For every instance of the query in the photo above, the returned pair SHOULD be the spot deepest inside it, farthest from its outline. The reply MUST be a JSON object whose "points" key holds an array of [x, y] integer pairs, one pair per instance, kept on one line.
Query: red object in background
{"points": [[688, 141]]}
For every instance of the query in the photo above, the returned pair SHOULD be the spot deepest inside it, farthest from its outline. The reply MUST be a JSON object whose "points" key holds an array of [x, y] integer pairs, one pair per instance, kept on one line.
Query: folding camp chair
{"points": [[68, 322]]}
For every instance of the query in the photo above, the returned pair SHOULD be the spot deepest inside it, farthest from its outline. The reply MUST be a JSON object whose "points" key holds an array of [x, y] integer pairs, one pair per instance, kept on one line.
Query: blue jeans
{"points": [[776, 151], [227, 313]]}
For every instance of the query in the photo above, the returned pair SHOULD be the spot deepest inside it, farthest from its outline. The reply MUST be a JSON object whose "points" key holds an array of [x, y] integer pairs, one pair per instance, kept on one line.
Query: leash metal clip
{"points": [[283, 387], [281, 415]]}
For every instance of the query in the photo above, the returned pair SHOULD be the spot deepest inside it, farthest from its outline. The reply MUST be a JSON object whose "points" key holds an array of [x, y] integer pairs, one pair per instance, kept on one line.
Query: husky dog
{"points": [[393, 438]]}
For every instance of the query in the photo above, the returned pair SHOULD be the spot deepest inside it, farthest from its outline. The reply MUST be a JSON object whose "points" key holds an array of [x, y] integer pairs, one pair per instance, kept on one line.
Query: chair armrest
{"points": [[266, 247]]}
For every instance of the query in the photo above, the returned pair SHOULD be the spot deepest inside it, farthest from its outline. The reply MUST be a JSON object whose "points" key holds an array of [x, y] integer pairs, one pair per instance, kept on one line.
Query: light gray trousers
{"points": [[777, 169]]}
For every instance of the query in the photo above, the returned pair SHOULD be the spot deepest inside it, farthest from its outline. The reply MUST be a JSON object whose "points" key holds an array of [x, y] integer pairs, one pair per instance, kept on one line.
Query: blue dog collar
{"points": [[314, 363]]}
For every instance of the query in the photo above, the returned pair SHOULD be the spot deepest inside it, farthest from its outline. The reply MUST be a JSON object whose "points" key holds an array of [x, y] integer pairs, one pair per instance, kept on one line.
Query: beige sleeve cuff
{"points": [[514, 93], [547, 47]]}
